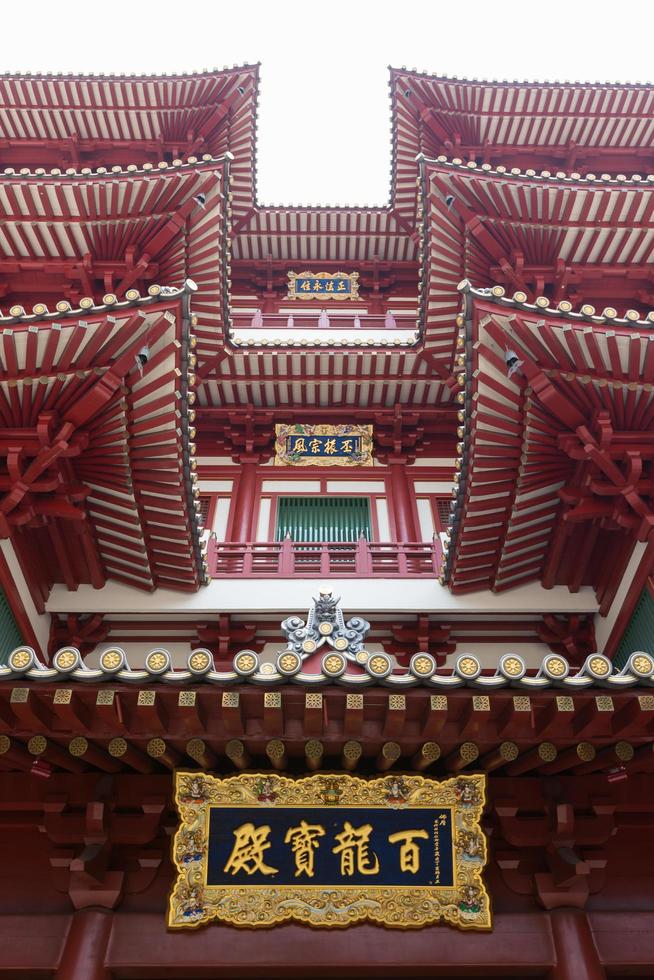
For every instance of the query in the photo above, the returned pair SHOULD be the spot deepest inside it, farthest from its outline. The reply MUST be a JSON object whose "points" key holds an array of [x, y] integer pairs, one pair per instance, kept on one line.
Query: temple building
{"points": [[326, 490]]}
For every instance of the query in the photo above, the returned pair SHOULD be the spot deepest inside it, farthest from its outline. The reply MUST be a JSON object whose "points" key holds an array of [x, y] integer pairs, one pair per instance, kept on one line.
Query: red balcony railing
{"points": [[306, 319], [340, 559]]}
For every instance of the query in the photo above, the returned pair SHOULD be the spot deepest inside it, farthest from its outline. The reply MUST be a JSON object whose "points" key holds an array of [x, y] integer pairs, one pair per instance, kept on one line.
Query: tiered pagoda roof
{"points": [[554, 480], [511, 718], [329, 234], [97, 444], [586, 240], [571, 127], [313, 373], [82, 234], [169, 215], [104, 120]]}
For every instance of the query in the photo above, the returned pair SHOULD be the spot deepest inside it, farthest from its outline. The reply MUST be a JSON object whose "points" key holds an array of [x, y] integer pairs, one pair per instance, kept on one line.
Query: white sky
{"points": [[324, 130]]}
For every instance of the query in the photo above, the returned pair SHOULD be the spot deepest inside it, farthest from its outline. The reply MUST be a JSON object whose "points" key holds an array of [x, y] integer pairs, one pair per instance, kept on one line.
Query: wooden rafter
{"points": [[95, 444], [74, 121], [578, 240], [558, 466], [554, 126]]}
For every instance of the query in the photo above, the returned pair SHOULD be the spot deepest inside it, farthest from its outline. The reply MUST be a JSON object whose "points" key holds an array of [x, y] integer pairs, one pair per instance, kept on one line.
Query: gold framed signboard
{"points": [[323, 285], [323, 445], [259, 849]]}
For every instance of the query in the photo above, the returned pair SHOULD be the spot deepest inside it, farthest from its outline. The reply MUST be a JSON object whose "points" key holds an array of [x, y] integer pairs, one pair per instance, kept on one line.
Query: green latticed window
{"points": [[9, 633], [639, 634], [323, 518]]}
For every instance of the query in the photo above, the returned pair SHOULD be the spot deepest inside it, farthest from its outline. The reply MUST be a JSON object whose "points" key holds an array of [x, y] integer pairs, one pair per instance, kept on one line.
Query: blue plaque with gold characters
{"points": [[323, 445], [260, 849], [324, 286]]}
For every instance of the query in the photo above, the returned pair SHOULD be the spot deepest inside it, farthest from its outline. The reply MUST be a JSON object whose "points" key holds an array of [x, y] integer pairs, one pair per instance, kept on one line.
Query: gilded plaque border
{"points": [[284, 458], [294, 294], [465, 905]]}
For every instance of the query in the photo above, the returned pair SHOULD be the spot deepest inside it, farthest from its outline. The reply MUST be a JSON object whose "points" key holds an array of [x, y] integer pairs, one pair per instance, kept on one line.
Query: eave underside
{"points": [[583, 242], [548, 489], [554, 126], [95, 448], [76, 120]]}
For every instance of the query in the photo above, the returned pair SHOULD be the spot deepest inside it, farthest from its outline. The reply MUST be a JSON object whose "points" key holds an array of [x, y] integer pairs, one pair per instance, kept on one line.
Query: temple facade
{"points": [[296, 490]]}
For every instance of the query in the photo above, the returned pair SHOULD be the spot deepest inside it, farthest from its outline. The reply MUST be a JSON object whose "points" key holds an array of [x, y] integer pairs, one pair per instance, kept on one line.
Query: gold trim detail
{"points": [[20, 659], [600, 666], [200, 660], [328, 289], [110, 660], [323, 445], [464, 904]]}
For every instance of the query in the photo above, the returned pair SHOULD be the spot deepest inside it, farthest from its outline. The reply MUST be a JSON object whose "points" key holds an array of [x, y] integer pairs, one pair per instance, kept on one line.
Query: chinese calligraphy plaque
{"points": [[323, 285], [323, 445], [329, 850]]}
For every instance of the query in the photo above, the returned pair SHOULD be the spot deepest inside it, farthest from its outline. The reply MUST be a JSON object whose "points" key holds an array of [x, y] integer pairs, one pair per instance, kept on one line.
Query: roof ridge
{"points": [[471, 166], [129, 76], [304, 208], [131, 169], [564, 308], [63, 310], [511, 672], [520, 82], [306, 343]]}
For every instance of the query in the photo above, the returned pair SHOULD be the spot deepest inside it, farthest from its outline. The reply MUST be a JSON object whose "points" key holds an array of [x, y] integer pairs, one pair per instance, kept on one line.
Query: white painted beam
{"points": [[359, 595]]}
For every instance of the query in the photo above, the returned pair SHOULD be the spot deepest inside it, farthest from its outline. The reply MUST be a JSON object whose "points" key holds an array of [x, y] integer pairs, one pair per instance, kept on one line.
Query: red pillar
{"points": [[245, 499], [86, 946], [402, 500], [576, 953]]}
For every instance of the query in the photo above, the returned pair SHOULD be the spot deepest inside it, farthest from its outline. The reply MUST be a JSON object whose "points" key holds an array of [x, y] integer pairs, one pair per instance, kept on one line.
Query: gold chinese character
{"points": [[305, 841], [353, 848], [299, 446], [329, 286], [314, 446], [247, 854], [316, 285], [346, 446], [305, 285], [409, 851], [341, 286], [330, 447]]}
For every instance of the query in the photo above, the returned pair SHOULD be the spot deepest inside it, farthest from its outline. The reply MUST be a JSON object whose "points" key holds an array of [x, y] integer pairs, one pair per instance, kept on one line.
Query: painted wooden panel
{"points": [[639, 634], [323, 518], [9, 633]]}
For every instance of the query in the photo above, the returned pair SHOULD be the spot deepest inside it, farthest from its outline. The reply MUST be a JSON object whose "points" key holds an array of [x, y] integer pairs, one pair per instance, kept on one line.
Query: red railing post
{"points": [[247, 559], [324, 559], [401, 558], [212, 554], [286, 557], [363, 557], [437, 553]]}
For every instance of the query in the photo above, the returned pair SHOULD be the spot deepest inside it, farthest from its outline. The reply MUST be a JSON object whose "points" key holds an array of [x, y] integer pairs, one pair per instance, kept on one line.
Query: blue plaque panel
{"points": [[377, 856]]}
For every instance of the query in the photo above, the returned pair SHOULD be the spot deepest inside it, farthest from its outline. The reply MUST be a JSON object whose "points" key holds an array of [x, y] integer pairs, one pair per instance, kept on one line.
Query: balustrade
{"points": [[340, 559], [335, 320]]}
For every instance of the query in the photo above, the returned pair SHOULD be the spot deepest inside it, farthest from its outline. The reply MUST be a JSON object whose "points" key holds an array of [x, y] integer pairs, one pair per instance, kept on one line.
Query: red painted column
{"points": [[86, 946], [402, 500], [576, 953], [245, 498]]}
